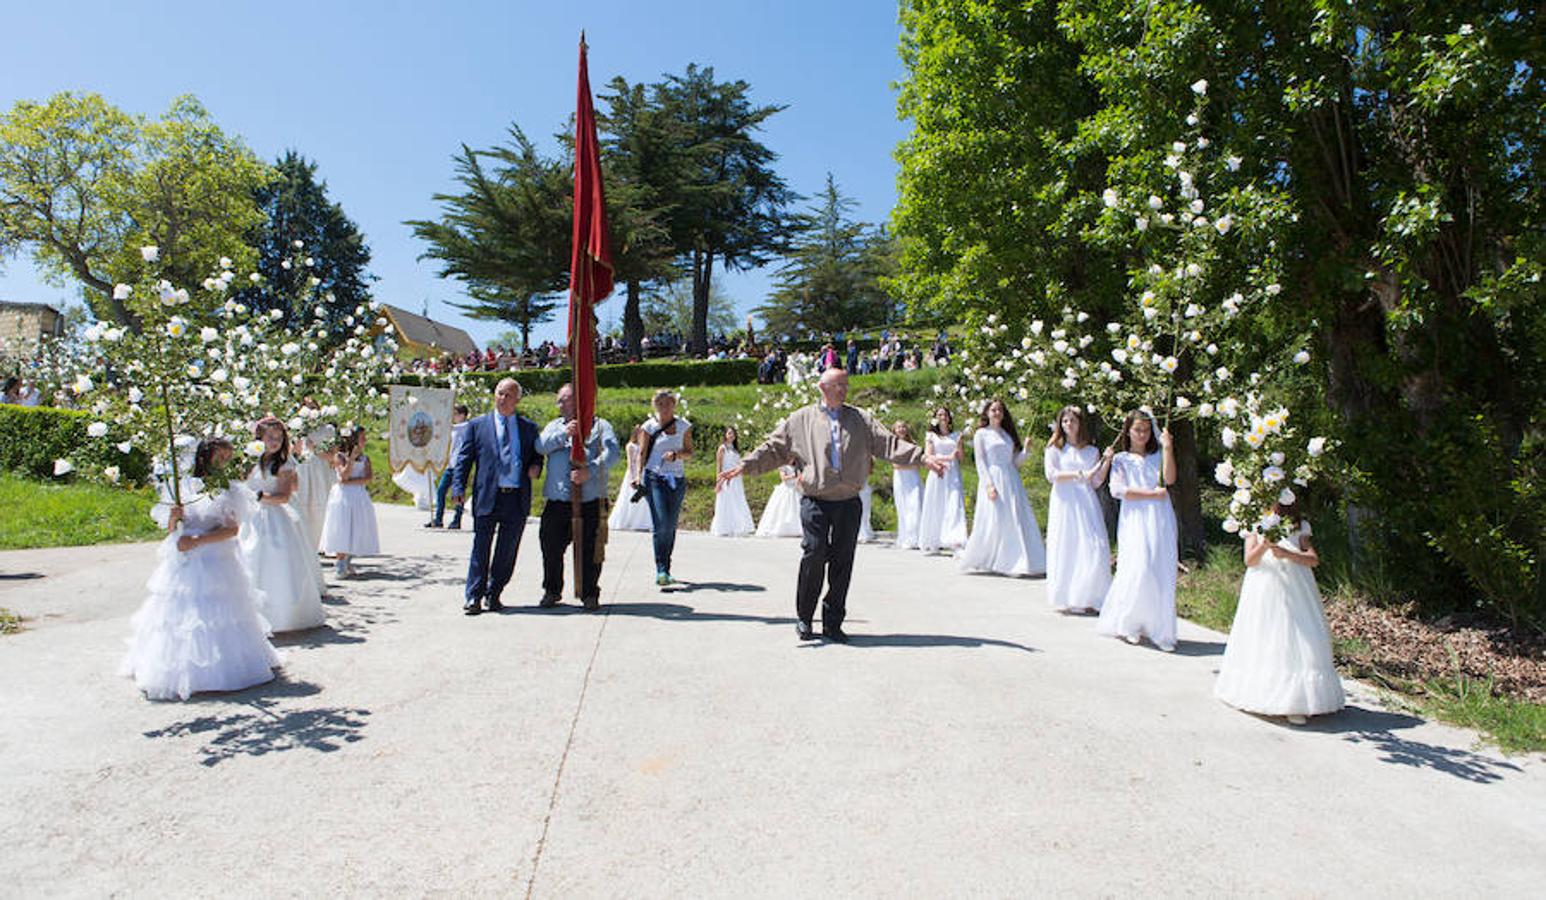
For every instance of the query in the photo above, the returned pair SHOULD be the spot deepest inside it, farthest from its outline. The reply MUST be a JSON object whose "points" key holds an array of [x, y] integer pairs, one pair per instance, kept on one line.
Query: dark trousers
{"points": [[827, 554], [487, 577], [442, 488], [555, 535]]}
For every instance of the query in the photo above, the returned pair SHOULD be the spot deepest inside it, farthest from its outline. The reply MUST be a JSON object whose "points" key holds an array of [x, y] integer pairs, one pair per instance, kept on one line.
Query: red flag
{"points": [[590, 261]]}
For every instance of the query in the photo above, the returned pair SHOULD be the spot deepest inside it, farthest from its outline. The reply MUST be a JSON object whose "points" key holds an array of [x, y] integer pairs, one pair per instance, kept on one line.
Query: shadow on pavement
{"points": [[676, 612], [687, 587], [265, 728], [1377, 727], [1199, 648], [19, 576], [931, 640]]}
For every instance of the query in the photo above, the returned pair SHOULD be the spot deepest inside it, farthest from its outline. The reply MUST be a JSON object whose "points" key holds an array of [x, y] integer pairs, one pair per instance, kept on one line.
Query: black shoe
{"points": [[549, 601], [492, 604], [835, 634], [804, 631], [432, 524], [471, 608], [456, 525], [591, 603]]}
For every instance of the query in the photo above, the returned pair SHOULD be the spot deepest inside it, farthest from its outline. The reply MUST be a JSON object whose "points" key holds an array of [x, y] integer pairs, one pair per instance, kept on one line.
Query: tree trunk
{"points": [[633, 323], [702, 271], [525, 335], [1186, 493]]}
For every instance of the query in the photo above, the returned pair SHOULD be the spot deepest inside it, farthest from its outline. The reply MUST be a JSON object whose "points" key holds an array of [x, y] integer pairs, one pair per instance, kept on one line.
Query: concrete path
{"points": [[968, 742]]}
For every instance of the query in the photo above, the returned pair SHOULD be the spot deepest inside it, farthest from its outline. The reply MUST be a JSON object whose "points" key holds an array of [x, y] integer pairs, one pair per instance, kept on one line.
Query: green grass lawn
{"points": [[46, 514]]}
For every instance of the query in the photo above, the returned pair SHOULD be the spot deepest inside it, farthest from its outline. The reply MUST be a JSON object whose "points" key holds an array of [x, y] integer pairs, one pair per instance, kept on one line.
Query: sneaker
{"points": [[664, 578], [432, 524]]}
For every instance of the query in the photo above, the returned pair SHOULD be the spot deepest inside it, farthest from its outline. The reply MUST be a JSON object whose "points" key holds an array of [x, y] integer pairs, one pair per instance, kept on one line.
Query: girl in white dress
{"points": [[907, 494], [199, 628], [1141, 601], [866, 531], [1006, 538], [1278, 661], [350, 527], [273, 544], [781, 517], [314, 480], [732, 516], [943, 523], [629, 514], [1078, 548]]}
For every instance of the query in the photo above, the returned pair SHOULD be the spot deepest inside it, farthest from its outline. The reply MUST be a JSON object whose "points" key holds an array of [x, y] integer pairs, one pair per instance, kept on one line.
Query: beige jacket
{"points": [[806, 437]]}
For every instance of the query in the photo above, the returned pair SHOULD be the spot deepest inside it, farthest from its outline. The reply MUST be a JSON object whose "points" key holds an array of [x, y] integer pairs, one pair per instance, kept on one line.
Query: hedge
{"points": [[674, 373], [32, 437]]}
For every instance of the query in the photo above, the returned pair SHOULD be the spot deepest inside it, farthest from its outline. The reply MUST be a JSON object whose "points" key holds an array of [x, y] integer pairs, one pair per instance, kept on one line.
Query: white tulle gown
{"points": [[628, 515], [314, 481], [1005, 539], [866, 531], [943, 522], [907, 493], [199, 628], [732, 515], [1078, 549], [781, 517], [283, 567], [350, 527], [1141, 601], [1278, 661]]}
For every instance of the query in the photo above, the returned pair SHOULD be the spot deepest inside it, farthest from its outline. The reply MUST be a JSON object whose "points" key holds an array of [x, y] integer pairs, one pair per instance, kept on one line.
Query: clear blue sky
{"points": [[380, 94]]}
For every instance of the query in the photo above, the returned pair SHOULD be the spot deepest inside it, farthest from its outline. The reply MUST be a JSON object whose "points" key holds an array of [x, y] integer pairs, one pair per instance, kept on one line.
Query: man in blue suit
{"points": [[502, 447]]}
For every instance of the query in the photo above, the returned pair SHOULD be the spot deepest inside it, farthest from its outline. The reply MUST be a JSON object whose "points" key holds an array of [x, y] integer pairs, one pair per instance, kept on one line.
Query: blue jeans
{"points": [[442, 488], [665, 506]]}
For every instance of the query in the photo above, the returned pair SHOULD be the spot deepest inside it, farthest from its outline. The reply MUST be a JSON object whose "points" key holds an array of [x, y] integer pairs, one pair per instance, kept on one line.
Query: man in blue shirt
{"points": [[502, 448], [601, 454]]}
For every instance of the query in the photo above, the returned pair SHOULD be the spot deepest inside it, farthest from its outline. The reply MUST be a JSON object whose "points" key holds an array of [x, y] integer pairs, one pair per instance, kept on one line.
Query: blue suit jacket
{"points": [[479, 451]]}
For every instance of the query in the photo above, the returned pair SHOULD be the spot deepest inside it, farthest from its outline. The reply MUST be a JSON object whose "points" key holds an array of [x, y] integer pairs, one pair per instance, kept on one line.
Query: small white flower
{"points": [[111, 473], [1229, 407], [310, 262], [1060, 346], [1166, 218], [1178, 147], [1302, 357], [1037, 326], [125, 446], [1286, 497], [1205, 410], [1200, 86], [1191, 119], [122, 291], [1212, 349], [1316, 447], [1223, 224], [208, 335], [1270, 521], [1274, 289], [97, 429], [1466, 29], [1224, 473], [176, 328], [63, 467], [136, 395], [254, 449], [1196, 206], [1109, 197], [1203, 143], [1113, 327], [254, 278], [1169, 364], [1233, 163], [1242, 496], [1141, 223], [1155, 203], [1120, 356], [219, 375], [1183, 403], [225, 262], [1230, 525], [1277, 457], [298, 244], [150, 253], [1255, 439], [285, 264], [1272, 474], [1193, 269]]}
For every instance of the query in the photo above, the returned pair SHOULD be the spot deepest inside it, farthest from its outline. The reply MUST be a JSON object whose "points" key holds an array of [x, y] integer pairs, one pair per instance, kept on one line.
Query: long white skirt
{"points": [[1278, 661], [1078, 549], [1006, 538], [314, 481], [350, 527], [907, 493], [943, 524], [866, 532], [781, 517], [1141, 601], [199, 628], [629, 516], [732, 515], [284, 569]]}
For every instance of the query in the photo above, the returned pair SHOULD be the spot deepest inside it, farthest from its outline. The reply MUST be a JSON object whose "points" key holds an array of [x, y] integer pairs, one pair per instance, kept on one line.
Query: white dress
{"points": [[907, 494], [866, 532], [283, 567], [314, 481], [1006, 538], [1142, 599], [1078, 549], [199, 628], [781, 517], [1278, 661], [943, 522], [732, 516], [350, 527], [628, 515]]}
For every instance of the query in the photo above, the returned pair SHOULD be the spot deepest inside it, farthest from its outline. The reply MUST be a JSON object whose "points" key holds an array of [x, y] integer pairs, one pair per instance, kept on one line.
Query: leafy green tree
{"points": [[84, 185], [506, 236], [1404, 140], [323, 276], [832, 278], [671, 308], [732, 207]]}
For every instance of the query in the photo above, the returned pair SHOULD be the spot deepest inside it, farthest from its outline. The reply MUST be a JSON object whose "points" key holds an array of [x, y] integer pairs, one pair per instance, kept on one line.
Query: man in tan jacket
{"points": [[832, 444]]}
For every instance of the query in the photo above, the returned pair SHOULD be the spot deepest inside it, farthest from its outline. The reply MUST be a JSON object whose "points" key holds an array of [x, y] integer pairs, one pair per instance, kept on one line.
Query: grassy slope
{"points": [[44, 514]]}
